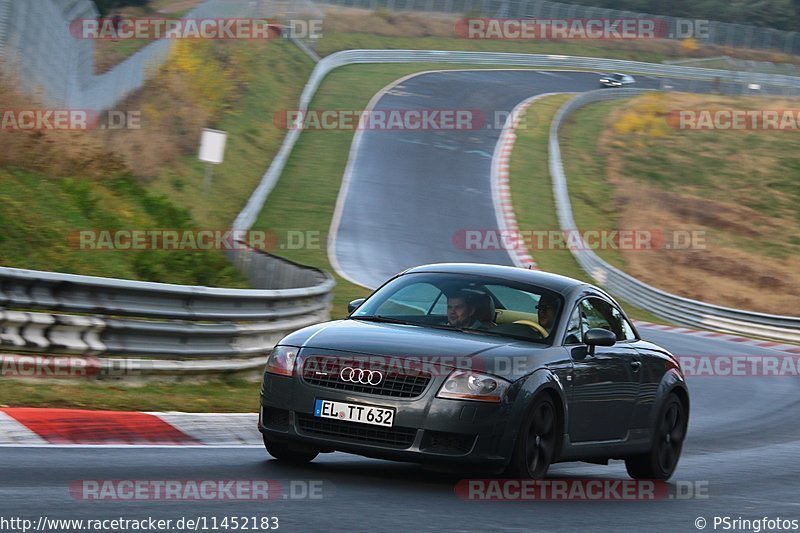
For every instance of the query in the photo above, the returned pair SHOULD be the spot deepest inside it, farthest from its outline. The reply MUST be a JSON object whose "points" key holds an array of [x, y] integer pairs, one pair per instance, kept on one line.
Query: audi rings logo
{"points": [[358, 375]]}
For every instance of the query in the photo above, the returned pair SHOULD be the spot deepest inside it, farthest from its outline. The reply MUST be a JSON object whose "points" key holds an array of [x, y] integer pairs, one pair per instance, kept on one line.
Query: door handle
{"points": [[636, 365]]}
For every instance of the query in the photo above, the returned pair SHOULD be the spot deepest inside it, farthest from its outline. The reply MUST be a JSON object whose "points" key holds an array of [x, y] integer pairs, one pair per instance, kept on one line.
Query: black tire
{"points": [[536, 443], [670, 432], [283, 452]]}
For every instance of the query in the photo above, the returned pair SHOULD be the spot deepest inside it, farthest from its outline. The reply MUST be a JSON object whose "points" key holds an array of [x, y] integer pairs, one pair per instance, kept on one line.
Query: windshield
{"points": [[475, 304]]}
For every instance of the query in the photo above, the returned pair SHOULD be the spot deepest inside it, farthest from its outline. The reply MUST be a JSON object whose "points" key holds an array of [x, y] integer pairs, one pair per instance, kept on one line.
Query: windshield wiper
{"points": [[381, 318], [503, 334]]}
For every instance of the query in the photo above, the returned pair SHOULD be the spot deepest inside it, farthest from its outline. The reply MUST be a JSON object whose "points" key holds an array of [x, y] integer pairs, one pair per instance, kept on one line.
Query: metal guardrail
{"points": [[154, 328], [674, 308]]}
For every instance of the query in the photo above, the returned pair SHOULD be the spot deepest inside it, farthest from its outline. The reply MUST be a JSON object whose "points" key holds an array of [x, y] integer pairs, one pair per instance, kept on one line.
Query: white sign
{"points": [[212, 146]]}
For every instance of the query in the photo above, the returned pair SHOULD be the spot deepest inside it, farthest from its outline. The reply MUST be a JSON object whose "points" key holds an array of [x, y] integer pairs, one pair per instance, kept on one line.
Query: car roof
{"points": [[555, 282]]}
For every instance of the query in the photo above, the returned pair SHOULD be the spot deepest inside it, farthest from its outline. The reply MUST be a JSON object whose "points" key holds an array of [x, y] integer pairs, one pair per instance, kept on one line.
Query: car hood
{"points": [[439, 346]]}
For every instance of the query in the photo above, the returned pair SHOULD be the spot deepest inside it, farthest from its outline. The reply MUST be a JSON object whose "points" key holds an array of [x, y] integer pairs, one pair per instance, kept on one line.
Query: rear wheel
{"points": [[282, 451], [536, 443], [661, 460]]}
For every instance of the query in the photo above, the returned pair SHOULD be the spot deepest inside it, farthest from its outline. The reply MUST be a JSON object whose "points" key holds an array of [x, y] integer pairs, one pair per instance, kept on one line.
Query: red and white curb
{"points": [[789, 348], [501, 188], [22, 426]]}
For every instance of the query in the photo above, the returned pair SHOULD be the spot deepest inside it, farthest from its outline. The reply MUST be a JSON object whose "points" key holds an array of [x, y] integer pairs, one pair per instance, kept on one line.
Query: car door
{"points": [[605, 385]]}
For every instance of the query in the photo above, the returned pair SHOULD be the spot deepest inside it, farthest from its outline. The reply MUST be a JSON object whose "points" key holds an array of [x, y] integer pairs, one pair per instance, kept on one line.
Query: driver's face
{"points": [[458, 312], [547, 313]]}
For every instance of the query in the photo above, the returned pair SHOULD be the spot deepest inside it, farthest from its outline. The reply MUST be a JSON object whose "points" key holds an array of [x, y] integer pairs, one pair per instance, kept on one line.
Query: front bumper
{"points": [[427, 429]]}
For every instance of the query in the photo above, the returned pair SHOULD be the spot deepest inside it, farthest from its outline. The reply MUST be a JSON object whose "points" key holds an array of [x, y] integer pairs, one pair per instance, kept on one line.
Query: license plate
{"points": [[353, 412]]}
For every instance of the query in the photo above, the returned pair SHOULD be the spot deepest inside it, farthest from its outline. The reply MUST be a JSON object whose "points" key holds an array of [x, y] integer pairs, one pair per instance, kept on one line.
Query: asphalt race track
{"points": [[408, 193], [742, 449]]}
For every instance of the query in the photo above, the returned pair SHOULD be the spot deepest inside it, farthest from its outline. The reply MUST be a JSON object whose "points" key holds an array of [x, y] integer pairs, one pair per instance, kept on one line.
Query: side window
{"points": [[625, 329], [601, 314], [597, 314], [574, 329], [440, 306]]}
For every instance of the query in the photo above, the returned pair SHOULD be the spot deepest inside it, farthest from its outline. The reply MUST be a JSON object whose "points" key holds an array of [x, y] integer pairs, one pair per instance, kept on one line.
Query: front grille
{"points": [[394, 437], [396, 382]]}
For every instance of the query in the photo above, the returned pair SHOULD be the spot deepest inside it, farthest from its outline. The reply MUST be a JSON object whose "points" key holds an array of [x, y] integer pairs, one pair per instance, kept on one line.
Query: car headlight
{"points": [[466, 385], [281, 360]]}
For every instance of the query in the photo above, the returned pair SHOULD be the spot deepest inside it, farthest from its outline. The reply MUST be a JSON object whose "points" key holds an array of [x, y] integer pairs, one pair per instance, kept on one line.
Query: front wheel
{"points": [[661, 460], [536, 444], [283, 452]]}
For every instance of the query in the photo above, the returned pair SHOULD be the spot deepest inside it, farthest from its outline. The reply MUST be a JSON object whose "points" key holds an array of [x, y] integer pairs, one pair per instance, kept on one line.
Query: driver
{"points": [[546, 311], [461, 310]]}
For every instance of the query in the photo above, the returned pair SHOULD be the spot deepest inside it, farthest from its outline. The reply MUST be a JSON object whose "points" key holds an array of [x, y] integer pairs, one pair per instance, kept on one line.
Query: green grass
{"points": [[219, 396], [532, 193], [591, 194], [39, 212], [40, 219], [280, 72], [336, 41]]}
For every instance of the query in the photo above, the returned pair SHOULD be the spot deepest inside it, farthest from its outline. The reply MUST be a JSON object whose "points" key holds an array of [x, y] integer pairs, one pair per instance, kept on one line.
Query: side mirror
{"points": [[355, 304], [598, 337]]}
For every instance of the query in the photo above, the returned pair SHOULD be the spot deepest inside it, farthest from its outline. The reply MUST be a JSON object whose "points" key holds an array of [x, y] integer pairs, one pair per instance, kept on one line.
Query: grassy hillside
{"points": [[55, 183], [629, 169]]}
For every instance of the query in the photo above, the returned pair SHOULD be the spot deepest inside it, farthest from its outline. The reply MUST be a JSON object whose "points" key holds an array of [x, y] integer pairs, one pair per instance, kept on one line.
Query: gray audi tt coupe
{"points": [[488, 366]]}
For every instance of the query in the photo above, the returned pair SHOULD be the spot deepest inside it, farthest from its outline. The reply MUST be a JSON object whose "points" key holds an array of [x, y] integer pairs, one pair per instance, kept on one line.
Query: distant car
{"points": [[549, 369], [616, 79]]}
